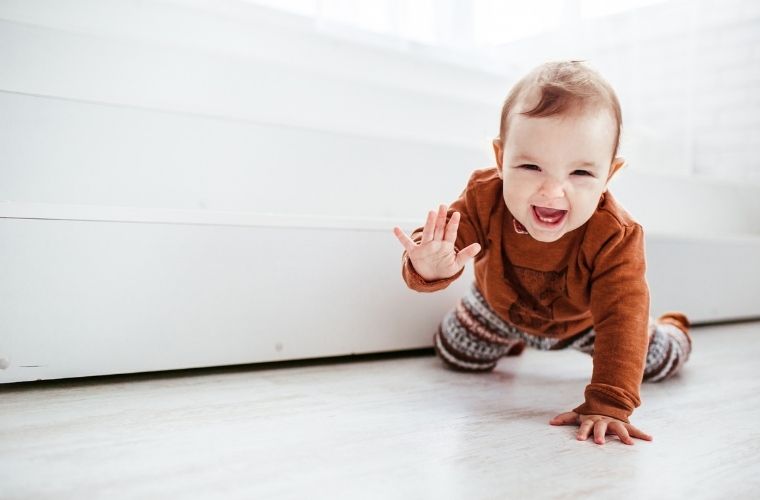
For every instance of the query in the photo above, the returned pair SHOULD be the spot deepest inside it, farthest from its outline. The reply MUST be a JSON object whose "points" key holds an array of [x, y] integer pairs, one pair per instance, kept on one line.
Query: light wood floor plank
{"points": [[385, 428]]}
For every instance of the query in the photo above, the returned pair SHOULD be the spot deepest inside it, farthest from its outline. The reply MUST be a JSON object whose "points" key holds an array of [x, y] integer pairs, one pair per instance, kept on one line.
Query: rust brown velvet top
{"points": [[594, 276]]}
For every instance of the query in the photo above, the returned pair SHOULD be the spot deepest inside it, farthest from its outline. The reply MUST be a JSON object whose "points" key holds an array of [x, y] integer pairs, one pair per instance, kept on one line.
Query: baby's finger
{"points": [[634, 432], [568, 418], [600, 429], [584, 429], [405, 240], [451, 228], [429, 230], [440, 223], [466, 254], [619, 429]]}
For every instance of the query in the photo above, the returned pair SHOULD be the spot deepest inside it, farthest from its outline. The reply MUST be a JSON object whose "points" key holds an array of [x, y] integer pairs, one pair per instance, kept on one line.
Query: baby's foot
{"points": [[669, 346], [677, 319]]}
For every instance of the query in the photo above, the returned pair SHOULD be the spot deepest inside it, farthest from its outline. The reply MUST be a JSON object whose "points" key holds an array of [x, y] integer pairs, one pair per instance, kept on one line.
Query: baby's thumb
{"points": [[467, 253]]}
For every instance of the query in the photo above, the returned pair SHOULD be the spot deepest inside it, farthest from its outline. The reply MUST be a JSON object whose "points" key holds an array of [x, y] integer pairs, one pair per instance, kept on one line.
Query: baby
{"points": [[558, 261]]}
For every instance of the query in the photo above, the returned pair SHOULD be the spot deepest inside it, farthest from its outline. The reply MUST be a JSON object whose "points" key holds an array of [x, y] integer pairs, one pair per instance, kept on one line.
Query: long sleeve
{"points": [[470, 231], [620, 309]]}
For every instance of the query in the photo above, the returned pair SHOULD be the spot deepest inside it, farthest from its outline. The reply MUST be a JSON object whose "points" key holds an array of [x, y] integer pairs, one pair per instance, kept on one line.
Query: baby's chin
{"points": [[547, 238]]}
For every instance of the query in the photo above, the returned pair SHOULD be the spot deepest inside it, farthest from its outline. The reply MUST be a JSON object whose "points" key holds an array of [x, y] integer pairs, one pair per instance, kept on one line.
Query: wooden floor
{"points": [[385, 428]]}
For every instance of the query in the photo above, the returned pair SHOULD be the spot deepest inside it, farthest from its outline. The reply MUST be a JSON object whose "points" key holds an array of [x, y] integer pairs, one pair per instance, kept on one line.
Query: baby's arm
{"points": [[620, 308]]}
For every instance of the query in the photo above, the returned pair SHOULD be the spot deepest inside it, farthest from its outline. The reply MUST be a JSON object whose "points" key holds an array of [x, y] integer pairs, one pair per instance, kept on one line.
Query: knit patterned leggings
{"points": [[473, 338]]}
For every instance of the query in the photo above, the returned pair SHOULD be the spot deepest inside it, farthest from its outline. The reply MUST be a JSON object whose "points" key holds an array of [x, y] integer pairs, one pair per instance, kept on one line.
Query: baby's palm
{"points": [[435, 257]]}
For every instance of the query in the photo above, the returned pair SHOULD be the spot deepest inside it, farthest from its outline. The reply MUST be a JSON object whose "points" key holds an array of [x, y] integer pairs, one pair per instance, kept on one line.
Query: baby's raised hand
{"points": [[435, 257], [600, 425]]}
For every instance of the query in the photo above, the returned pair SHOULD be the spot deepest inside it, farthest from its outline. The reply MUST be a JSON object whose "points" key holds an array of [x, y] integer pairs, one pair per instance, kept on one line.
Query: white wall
{"points": [[111, 93], [225, 106]]}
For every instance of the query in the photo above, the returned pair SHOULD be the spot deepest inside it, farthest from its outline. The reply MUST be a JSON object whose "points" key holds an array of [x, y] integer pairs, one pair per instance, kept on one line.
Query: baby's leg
{"points": [[669, 346], [467, 340]]}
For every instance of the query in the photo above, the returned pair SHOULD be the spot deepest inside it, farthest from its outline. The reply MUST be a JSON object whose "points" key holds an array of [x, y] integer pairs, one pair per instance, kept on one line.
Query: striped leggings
{"points": [[472, 337]]}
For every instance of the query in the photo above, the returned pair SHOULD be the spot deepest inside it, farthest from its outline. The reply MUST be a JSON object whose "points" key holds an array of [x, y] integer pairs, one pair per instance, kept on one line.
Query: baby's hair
{"points": [[563, 86]]}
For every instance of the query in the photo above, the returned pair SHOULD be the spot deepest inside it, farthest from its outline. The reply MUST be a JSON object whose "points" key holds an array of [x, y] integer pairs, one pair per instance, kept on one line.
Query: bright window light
{"points": [[464, 24]]}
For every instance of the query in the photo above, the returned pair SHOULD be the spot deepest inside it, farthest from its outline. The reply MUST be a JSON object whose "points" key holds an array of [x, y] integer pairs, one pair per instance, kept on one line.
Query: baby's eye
{"points": [[583, 172], [529, 167]]}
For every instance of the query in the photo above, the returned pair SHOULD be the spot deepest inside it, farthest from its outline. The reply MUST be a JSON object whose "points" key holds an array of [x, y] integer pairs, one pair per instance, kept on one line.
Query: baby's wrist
{"points": [[423, 276]]}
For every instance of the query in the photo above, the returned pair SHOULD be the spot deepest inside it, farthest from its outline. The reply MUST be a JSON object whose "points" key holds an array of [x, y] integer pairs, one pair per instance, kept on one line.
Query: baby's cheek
{"points": [[514, 199], [515, 190], [583, 214]]}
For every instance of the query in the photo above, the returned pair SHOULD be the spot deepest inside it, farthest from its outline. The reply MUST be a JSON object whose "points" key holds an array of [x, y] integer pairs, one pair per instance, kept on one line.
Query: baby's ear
{"points": [[498, 151], [617, 164]]}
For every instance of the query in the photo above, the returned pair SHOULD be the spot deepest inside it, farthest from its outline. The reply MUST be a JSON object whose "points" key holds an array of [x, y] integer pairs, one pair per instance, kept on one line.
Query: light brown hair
{"points": [[563, 86]]}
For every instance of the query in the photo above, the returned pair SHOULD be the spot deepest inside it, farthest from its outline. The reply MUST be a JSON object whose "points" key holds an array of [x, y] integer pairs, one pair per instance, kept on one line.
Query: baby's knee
{"points": [[458, 358]]}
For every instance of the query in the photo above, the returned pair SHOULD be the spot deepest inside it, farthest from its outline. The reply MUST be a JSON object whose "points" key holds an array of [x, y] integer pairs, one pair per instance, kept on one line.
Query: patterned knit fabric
{"points": [[669, 346], [473, 338]]}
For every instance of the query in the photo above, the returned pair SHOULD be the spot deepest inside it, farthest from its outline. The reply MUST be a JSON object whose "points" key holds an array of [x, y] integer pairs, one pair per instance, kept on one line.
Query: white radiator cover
{"points": [[108, 293]]}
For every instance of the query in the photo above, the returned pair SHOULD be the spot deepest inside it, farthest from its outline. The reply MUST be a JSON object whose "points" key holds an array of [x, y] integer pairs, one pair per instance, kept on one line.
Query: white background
{"points": [[189, 183]]}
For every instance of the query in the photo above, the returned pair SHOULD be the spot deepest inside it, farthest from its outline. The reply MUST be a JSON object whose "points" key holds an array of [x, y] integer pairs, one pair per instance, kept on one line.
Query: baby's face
{"points": [[555, 170]]}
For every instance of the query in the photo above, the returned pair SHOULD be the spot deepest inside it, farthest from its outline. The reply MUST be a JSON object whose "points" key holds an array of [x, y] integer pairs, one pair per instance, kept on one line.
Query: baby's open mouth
{"points": [[549, 216]]}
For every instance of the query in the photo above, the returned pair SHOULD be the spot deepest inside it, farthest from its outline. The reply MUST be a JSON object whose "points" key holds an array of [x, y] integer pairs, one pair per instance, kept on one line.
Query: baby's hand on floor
{"points": [[599, 426], [435, 257]]}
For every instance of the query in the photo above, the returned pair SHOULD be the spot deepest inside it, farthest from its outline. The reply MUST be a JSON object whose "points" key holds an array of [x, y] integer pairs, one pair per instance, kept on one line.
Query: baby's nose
{"points": [[552, 188]]}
